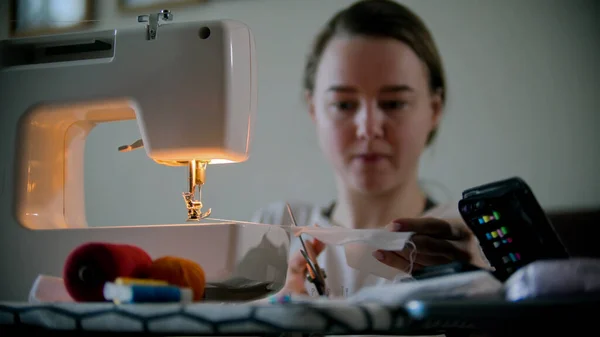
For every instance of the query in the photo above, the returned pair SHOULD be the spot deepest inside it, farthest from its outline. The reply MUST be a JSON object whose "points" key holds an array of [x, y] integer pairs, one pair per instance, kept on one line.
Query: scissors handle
{"points": [[316, 275], [318, 279]]}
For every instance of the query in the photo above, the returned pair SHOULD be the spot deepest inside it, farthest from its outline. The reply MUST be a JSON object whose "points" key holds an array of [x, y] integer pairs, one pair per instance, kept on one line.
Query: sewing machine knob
{"points": [[166, 15], [204, 33]]}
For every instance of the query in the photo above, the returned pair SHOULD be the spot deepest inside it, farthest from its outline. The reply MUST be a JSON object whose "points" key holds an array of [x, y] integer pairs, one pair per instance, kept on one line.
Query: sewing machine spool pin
{"points": [[154, 21], [197, 177]]}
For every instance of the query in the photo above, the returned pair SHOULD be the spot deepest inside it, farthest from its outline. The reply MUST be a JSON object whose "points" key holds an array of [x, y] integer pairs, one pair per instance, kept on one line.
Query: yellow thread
{"points": [[133, 281]]}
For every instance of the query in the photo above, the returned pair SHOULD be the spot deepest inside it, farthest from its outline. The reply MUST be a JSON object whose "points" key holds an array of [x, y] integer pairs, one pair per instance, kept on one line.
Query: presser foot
{"points": [[194, 208]]}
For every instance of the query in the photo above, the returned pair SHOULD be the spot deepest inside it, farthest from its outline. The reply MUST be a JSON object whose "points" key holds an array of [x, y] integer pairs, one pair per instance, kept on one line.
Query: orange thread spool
{"points": [[179, 272]]}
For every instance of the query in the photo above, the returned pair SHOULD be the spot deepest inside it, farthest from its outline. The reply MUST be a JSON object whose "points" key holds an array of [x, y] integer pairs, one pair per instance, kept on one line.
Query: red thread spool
{"points": [[179, 272], [91, 265]]}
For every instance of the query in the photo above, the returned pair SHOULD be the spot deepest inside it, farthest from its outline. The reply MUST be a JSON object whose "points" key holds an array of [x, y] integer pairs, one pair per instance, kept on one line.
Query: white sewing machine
{"points": [[192, 89]]}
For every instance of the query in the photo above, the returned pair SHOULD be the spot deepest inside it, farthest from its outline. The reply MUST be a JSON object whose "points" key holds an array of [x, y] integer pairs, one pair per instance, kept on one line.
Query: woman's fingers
{"points": [[433, 227], [297, 269], [427, 251], [430, 260], [315, 247], [402, 263], [392, 259], [403, 260], [436, 241], [426, 245], [297, 263]]}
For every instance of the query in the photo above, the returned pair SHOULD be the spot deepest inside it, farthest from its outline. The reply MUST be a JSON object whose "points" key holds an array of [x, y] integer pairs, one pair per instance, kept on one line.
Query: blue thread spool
{"points": [[146, 293], [285, 299], [280, 299]]}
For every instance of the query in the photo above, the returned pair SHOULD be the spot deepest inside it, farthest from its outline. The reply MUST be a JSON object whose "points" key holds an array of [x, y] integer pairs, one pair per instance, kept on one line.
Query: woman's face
{"points": [[373, 110]]}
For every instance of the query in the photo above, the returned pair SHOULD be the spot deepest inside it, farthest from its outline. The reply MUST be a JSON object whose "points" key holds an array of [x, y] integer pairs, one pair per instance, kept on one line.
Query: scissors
{"points": [[315, 274]]}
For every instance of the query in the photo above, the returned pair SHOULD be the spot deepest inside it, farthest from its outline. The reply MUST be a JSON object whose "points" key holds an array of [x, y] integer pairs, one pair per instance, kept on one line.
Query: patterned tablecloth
{"points": [[209, 318]]}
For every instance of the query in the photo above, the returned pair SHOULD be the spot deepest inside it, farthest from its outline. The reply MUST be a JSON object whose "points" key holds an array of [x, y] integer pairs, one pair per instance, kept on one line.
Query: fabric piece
{"points": [[375, 238]]}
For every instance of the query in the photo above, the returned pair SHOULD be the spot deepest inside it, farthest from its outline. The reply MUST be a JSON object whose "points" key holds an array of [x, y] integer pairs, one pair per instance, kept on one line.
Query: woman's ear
{"points": [[308, 98], [437, 107]]}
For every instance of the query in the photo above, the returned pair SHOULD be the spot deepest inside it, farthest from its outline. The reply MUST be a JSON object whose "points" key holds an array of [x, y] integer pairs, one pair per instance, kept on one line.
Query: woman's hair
{"points": [[381, 18]]}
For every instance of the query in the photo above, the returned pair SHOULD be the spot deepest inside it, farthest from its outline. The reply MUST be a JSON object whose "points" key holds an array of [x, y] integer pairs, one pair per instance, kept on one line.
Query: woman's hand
{"points": [[297, 269], [437, 242]]}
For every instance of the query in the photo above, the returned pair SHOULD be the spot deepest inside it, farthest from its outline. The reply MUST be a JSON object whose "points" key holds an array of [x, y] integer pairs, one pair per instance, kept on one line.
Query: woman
{"points": [[375, 90]]}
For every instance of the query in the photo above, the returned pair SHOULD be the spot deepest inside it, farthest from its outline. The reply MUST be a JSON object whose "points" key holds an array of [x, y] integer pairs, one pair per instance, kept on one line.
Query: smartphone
{"points": [[512, 228]]}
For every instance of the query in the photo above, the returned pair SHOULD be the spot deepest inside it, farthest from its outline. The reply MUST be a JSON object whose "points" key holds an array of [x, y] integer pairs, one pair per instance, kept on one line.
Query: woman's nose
{"points": [[369, 123]]}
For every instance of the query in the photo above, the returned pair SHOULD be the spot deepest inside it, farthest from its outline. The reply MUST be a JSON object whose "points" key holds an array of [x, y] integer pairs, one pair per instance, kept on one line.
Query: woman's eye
{"points": [[345, 106], [392, 105]]}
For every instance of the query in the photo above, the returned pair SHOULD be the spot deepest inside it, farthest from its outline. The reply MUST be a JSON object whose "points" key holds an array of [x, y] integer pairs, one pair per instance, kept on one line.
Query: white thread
{"points": [[411, 260], [412, 257], [239, 221]]}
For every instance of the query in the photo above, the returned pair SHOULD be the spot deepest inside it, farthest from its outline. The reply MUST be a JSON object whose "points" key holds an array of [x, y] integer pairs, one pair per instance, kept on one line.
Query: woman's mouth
{"points": [[371, 157]]}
